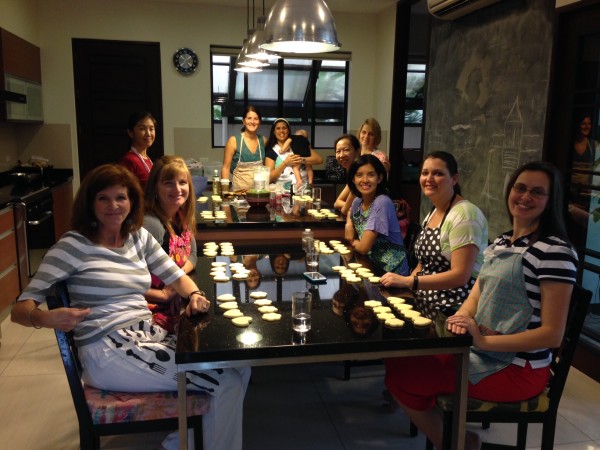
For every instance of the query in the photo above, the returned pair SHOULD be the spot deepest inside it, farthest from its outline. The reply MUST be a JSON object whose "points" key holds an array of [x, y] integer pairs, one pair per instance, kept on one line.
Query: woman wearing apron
{"points": [[449, 247], [170, 218], [371, 227], [244, 152], [516, 311]]}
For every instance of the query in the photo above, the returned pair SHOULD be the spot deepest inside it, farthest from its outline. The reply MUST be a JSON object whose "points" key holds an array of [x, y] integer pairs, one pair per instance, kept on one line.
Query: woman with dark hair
{"points": [[243, 152], [170, 216], [288, 158], [141, 128], [449, 247], [516, 312], [347, 149], [106, 261], [371, 226]]}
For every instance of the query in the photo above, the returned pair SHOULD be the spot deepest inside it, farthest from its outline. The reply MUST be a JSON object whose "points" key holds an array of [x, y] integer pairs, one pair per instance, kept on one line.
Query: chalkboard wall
{"points": [[487, 95]]}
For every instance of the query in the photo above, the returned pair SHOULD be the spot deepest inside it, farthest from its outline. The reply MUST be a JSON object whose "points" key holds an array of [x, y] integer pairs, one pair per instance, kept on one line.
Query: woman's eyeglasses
{"points": [[536, 192]]}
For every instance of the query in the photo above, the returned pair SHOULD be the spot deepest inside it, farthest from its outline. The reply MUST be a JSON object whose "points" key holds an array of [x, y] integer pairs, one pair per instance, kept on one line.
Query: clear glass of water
{"points": [[301, 308], [312, 260]]}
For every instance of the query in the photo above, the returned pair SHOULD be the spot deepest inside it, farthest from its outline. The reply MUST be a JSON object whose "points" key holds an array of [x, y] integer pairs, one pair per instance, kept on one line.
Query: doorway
{"points": [[574, 147], [112, 80]]}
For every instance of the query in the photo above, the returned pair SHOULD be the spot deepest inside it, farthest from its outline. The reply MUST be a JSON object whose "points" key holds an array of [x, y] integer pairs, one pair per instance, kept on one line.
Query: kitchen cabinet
{"points": [[9, 271], [62, 198], [20, 79]]}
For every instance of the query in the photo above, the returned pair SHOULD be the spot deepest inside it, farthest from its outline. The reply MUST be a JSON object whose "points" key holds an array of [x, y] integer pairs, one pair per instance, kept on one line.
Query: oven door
{"points": [[19, 213]]}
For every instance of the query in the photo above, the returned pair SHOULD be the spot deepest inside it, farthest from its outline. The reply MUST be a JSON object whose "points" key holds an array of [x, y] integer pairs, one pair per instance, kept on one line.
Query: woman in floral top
{"points": [[170, 218]]}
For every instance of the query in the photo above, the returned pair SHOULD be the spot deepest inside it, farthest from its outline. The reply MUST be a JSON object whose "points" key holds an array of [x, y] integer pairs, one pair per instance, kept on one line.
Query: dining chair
{"points": [[106, 413], [540, 409]]}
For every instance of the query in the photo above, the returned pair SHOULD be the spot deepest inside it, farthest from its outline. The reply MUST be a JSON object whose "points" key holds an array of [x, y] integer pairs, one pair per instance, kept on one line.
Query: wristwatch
{"points": [[303, 160]]}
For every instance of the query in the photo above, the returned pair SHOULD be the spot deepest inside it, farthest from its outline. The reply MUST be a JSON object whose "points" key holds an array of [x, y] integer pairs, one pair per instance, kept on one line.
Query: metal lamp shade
{"points": [[242, 62], [300, 26], [258, 37]]}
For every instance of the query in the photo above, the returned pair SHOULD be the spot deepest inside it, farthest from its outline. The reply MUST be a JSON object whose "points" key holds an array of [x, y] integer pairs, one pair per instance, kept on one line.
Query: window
{"points": [[310, 93], [415, 88]]}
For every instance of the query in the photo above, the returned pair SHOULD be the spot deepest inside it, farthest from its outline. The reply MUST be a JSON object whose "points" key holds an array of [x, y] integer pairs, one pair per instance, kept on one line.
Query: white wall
{"points": [[186, 100]]}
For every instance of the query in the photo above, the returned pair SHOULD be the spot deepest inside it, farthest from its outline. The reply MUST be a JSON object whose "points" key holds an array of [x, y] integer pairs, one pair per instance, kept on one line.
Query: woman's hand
{"points": [[63, 319], [197, 304], [394, 280], [460, 323], [293, 160]]}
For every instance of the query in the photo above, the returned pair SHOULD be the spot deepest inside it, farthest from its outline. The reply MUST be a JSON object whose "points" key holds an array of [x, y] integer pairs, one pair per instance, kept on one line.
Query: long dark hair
{"points": [[363, 160], [272, 139], [451, 165], [552, 221]]}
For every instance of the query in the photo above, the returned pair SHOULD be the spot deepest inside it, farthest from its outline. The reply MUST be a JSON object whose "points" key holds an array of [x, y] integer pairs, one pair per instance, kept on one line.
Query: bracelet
{"points": [[415, 286], [37, 327], [196, 292]]}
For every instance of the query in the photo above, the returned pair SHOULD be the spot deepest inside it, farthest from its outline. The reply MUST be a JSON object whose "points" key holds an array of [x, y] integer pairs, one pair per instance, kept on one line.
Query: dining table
{"points": [[343, 326]]}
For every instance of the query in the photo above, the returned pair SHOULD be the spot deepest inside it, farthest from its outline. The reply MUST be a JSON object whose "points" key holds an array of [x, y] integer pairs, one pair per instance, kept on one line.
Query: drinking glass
{"points": [[316, 195], [301, 308]]}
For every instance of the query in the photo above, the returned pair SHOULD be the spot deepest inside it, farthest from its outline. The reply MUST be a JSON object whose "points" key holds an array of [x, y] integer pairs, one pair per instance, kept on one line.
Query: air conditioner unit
{"points": [[453, 9]]}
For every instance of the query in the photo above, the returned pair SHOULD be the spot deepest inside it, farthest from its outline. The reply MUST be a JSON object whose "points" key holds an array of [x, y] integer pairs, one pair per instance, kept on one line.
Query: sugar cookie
{"points": [[385, 316], [202, 199], [228, 305], [243, 321], [382, 309], [258, 294], [394, 323], [240, 275], [271, 317], [374, 280], [233, 313], [220, 278], [262, 302], [218, 264], [421, 322], [226, 298], [395, 300], [354, 265], [372, 303], [267, 309]]}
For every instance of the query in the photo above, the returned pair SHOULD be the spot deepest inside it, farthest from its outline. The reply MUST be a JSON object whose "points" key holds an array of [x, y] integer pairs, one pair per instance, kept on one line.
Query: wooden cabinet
{"points": [[20, 79], [62, 198], [9, 272]]}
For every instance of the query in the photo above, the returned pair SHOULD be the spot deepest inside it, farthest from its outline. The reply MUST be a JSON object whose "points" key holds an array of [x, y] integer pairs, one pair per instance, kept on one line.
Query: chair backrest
{"points": [[563, 356], [68, 353]]}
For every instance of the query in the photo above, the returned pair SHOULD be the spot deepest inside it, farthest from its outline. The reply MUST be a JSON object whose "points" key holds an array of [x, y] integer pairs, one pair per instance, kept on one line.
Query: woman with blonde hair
{"points": [[170, 216], [369, 136]]}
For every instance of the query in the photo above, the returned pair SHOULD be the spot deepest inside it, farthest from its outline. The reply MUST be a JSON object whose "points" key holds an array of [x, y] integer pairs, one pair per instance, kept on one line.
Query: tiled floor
{"points": [[287, 407]]}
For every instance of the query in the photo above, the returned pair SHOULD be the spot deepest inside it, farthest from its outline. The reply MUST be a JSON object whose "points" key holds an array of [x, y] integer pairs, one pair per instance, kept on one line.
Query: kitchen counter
{"points": [[10, 192]]}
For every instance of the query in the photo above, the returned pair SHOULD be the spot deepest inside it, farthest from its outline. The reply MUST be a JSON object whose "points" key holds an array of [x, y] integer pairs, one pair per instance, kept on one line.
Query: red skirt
{"points": [[415, 381]]}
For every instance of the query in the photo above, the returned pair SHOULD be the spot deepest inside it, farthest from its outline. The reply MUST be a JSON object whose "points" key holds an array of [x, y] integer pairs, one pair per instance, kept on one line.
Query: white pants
{"points": [[127, 360]]}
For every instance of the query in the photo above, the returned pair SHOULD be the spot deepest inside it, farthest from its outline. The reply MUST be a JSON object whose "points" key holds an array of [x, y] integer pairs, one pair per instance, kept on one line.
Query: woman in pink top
{"points": [[369, 136]]}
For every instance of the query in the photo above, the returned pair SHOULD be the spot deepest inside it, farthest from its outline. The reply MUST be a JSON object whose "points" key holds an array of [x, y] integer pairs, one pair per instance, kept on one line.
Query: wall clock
{"points": [[185, 61]]}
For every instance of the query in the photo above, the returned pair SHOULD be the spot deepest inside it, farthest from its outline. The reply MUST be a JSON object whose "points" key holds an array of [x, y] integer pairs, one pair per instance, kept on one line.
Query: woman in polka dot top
{"points": [[450, 245]]}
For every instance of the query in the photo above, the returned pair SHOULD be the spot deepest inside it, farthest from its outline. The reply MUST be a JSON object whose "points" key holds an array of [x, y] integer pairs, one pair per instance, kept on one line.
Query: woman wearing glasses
{"points": [[449, 248], [516, 312]]}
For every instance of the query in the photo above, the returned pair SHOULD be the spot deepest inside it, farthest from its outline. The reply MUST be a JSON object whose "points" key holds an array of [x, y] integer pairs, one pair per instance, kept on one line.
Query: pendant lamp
{"points": [[300, 26], [257, 38], [242, 62]]}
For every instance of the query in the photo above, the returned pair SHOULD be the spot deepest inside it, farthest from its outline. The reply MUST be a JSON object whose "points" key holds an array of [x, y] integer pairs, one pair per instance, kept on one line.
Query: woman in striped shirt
{"points": [[516, 312], [106, 261]]}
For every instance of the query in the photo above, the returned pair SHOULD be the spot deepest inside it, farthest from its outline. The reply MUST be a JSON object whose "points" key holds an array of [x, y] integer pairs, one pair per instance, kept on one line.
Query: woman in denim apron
{"points": [[371, 226], [449, 247], [243, 152], [516, 311]]}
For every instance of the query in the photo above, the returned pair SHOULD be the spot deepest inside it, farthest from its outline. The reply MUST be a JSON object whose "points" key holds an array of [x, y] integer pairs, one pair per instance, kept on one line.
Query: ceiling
{"points": [[352, 6]]}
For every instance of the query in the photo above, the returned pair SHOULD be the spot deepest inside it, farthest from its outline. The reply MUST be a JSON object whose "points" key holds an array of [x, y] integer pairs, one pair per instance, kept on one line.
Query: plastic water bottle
{"points": [[307, 238], [216, 182]]}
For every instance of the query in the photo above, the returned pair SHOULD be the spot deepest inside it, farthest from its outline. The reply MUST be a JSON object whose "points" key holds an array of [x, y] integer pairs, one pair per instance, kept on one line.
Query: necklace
{"points": [[147, 162]]}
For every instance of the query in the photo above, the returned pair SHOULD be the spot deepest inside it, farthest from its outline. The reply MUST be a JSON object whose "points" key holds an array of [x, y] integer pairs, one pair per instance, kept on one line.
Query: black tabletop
{"points": [[341, 324]]}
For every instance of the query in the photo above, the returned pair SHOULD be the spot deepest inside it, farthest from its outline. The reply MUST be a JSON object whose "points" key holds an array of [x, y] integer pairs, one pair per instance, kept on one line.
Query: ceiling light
{"points": [[257, 38], [300, 26]]}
